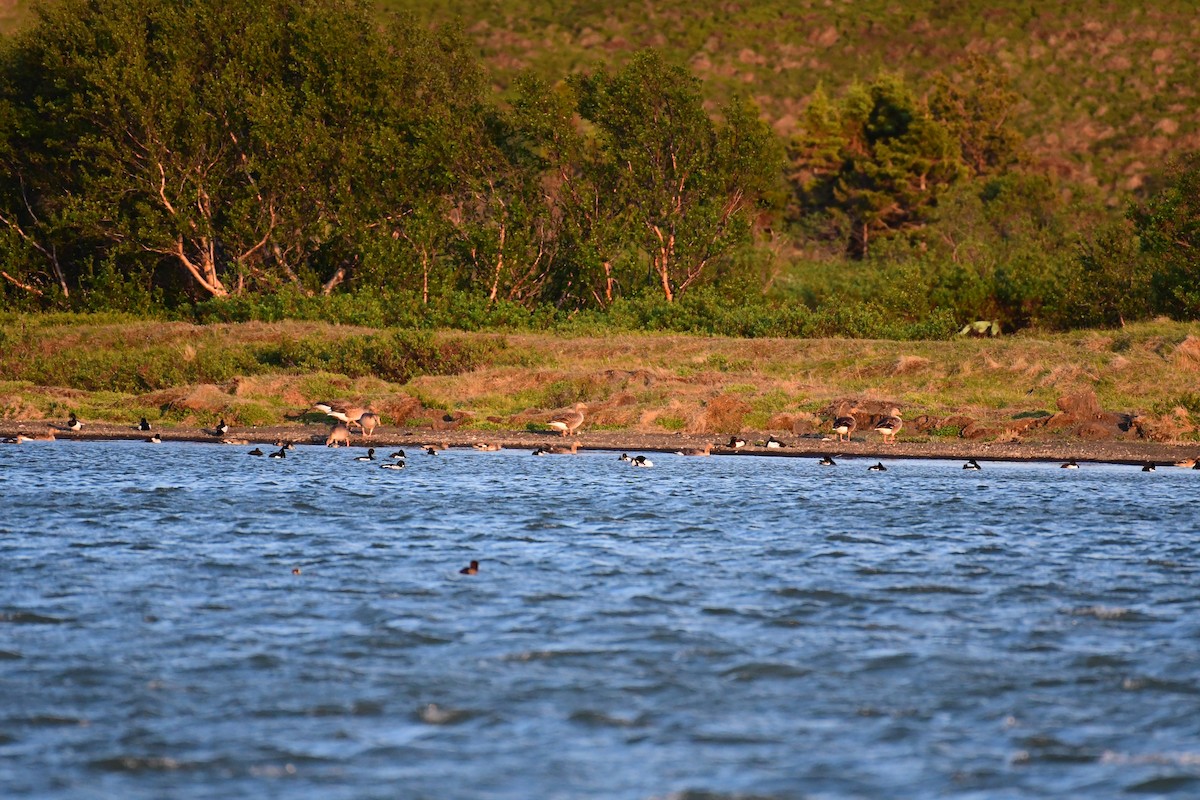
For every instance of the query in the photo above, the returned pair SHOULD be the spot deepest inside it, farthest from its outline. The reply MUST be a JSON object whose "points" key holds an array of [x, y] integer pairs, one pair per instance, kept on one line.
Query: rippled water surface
{"points": [[711, 627]]}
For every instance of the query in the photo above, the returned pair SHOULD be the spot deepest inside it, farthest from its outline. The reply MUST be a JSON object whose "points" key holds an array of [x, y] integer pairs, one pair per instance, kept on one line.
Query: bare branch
{"points": [[25, 286]]}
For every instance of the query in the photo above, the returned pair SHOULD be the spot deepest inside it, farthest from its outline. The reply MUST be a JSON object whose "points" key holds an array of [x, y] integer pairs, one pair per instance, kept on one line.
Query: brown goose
{"points": [[890, 426], [567, 422], [342, 411], [369, 421], [339, 435], [844, 425], [695, 451]]}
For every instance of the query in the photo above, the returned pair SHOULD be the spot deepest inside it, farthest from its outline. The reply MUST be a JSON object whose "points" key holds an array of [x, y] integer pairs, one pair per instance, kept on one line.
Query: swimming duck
{"points": [[73, 424], [1070, 465], [541, 451], [736, 442], [972, 464], [280, 453], [392, 465], [470, 569], [397, 454], [430, 450], [890, 426], [255, 452], [567, 422], [877, 467], [486, 447], [370, 456], [695, 451], [641, 461], [143, 426], [155, 439], [1148, 466], [624, 457], [844, 425], [826, 461]]}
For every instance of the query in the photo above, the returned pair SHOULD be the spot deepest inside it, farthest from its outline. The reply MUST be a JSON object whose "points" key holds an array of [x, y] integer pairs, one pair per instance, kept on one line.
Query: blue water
{"points": [[710, 628]]}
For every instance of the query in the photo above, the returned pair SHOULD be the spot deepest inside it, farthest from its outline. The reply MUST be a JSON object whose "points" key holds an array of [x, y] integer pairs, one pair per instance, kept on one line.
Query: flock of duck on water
{"points": [[566, 423]]}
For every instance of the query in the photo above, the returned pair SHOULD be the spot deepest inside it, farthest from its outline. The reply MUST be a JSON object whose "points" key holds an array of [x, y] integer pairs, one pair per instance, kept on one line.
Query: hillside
{"points": [[1109, 88]]}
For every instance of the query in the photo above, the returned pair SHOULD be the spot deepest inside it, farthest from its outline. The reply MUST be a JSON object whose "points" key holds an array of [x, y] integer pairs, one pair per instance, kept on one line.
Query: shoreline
{"points": [[810, 445]]}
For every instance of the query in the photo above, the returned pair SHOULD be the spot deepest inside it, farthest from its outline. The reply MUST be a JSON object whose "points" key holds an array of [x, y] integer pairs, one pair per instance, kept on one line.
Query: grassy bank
{"points": [[110, 368]]}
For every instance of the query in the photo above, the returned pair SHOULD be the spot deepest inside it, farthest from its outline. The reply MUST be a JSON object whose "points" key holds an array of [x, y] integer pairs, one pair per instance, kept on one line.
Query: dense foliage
{"points": [[299, 158]]}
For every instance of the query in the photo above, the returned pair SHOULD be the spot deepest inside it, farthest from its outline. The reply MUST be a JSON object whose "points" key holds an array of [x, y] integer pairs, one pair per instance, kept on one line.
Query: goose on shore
{"points": [[567, 422], [339, 435], [890, 426], [972, 465], [844, 424], [370, 456], [877, 467], [368, 422], [343, 412]]}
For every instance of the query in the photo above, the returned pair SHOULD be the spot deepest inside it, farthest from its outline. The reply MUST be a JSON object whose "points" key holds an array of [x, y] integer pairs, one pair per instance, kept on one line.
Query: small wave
{"points": [[756, 670], [1108, 613], [1143, 684], [600, 719], [10, 655], [931, 588], [137, 764], [30, 618], [819, 595]]}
